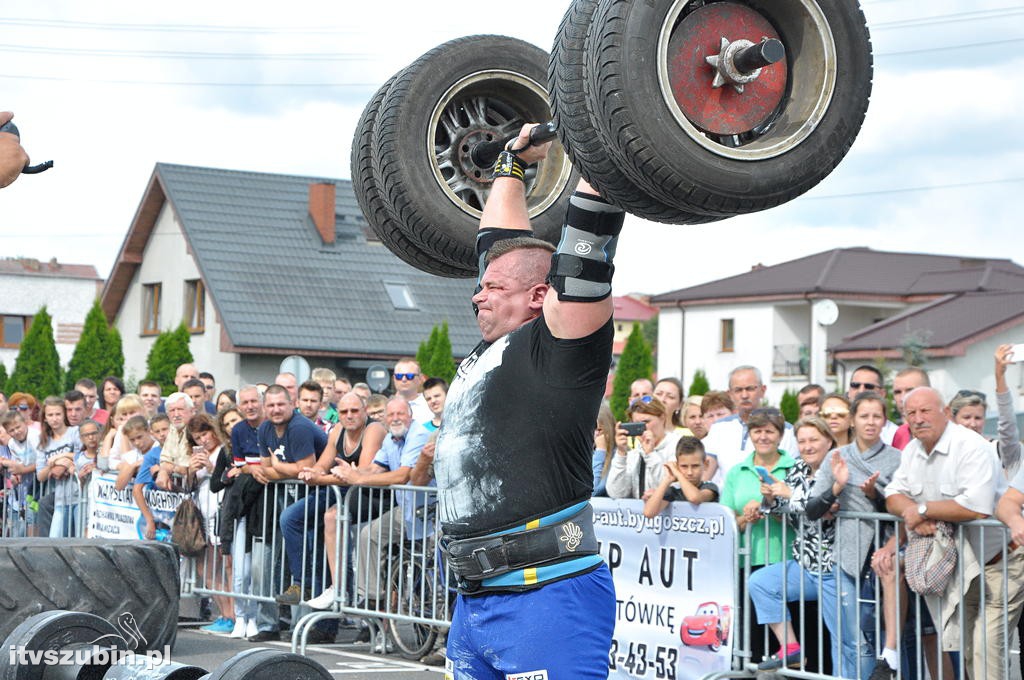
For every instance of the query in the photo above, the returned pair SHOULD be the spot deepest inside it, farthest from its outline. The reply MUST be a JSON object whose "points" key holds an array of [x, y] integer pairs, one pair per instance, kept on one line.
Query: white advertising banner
{"points": [[114, 514], [673, 587]]}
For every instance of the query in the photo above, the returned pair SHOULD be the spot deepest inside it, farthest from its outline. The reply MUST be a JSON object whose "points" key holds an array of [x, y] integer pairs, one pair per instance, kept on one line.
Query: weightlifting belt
{"points": [[475, 559]]}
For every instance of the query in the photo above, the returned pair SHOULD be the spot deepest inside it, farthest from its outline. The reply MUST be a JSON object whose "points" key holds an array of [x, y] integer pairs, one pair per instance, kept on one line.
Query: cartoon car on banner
{"points": [[709, 626]]}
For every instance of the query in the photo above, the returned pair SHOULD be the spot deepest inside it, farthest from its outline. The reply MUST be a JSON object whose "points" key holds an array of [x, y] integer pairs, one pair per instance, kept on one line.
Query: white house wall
{"points": [[166, 261], [752, 341], [67, 300], [670, 343]]}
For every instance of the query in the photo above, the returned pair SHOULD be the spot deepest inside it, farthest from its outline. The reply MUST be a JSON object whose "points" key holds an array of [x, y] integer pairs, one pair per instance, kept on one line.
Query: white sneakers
{"points": [[322, 601], [239, 630], [250, 628]]}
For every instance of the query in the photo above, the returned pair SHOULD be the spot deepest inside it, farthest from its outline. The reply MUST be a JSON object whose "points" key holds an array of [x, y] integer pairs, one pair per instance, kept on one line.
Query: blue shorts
{"points": [[561, 631]]}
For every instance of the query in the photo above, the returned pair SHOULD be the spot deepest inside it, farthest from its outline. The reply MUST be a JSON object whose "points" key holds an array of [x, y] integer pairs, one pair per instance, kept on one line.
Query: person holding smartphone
{"points": [[637, 472]]}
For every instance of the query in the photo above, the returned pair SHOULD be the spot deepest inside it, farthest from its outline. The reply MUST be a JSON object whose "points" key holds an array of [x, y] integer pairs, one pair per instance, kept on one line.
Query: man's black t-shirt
{"points": [[516, 441]]}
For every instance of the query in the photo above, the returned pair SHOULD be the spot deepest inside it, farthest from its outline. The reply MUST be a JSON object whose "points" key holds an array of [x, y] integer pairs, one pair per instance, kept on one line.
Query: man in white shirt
{"points": [[949, 473], [727, 442]]}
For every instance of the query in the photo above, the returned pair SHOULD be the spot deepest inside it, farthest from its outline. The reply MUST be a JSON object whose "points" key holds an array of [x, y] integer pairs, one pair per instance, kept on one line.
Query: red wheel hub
{"points": [[722, 110]]}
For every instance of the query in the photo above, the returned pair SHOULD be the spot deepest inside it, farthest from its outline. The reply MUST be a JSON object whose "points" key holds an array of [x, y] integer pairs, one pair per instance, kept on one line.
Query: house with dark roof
{"points": [[67, 291], [262, 266], [814, 318]]}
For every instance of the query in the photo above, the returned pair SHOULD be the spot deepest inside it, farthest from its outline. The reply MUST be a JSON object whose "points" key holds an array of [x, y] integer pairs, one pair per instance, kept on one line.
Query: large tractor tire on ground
{"points": [[132, 584], [468, 90], [373, 208], [572, 117], [693, 143]]}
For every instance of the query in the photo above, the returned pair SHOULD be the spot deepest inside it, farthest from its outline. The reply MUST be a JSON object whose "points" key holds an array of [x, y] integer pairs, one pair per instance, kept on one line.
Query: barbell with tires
{"points": [[68, 645], [683, 112]]}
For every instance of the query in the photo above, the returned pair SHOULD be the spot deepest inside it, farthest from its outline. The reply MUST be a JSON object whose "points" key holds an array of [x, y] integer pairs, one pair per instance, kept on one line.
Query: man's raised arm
{"points": [[578, 300]]}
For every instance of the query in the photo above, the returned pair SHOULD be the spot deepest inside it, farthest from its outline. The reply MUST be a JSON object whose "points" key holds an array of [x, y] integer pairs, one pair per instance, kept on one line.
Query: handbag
{"points": [[189, 529], [930, 561]]}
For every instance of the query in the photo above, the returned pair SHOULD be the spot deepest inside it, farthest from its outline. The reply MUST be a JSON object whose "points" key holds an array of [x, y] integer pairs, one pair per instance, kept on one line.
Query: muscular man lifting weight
{"points": [[513, 456]]}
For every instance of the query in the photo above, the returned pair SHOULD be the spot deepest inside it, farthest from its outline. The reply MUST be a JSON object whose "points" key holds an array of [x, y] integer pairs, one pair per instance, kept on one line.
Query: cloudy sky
{"points": [[109, 89]]}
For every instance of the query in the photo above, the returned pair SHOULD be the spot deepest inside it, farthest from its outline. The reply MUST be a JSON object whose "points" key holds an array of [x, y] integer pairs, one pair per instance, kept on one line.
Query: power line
{"points": [[186, 83], [159, 54], [978, 15], [176, 28], [907, 190], [948, 48]]}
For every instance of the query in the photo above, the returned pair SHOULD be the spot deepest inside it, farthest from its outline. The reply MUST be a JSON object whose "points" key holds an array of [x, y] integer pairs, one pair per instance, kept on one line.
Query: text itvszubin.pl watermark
{"points": [[94, 655]]}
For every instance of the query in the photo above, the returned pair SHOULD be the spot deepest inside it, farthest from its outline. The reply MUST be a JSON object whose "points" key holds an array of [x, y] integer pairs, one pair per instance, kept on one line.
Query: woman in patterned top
{"points": [[809, 574]]}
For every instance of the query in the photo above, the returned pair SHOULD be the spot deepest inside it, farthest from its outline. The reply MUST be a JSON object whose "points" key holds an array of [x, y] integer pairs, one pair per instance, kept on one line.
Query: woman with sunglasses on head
{"points": [[835, 410], [636, 472], [670, 392], [25, 404]]}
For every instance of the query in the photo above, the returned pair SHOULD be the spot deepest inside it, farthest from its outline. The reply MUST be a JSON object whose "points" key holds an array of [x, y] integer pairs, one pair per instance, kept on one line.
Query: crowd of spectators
{"points": [[222, 449], [791, 486], [921, 458]]}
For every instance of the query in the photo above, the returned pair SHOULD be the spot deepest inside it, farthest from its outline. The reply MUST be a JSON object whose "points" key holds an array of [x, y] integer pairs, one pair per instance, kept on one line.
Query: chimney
{"points": [[321, 209]]}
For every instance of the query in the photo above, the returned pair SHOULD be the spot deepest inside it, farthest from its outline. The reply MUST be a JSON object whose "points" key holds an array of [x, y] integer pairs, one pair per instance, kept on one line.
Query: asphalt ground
{"points": [[343, 660]]}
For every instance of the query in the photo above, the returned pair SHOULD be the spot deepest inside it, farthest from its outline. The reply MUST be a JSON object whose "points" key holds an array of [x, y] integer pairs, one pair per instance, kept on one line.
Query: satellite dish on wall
{"points": [[297, 366], [378, 377], [826, 312]]}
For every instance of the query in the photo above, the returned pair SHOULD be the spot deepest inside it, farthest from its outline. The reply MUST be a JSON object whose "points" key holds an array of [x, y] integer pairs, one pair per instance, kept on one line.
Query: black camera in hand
{"points": [[634, 429]]}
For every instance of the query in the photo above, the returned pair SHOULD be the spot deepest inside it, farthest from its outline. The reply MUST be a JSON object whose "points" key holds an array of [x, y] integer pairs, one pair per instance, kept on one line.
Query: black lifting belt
{"points": [[475, 559]]}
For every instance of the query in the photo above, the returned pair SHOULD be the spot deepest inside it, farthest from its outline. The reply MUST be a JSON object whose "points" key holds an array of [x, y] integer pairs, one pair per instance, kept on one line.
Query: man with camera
{"points": [[513, 455]]}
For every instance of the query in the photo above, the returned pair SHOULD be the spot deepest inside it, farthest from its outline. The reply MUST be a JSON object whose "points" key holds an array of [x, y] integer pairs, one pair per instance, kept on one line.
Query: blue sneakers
{"points": [[221, 625]]}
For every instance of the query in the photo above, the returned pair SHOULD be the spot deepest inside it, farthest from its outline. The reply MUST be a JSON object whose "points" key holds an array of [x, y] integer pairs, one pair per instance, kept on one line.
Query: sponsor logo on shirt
{"points": [[529, 675]]}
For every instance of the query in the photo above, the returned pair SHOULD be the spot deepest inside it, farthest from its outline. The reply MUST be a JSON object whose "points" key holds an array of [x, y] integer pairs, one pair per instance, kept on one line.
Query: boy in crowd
{"points": [[435, 390], [22, 464], [683, 479], [140, 438], [159, 427]]}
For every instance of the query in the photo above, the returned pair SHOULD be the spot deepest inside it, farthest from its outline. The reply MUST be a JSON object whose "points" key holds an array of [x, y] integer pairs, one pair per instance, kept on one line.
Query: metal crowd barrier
{"points": [[54, 508], [390, 572], [386, 569], [997, 590]]}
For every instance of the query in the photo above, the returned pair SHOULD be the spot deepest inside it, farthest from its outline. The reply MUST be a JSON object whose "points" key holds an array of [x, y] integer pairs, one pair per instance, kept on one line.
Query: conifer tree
{"points": [[636, 362], [37, 368], [169, 350], [700, 385]]}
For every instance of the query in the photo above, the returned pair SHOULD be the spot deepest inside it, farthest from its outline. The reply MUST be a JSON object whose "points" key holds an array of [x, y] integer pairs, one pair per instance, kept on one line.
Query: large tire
{"points": [[642, 125], [104, 577], [572, 117], [455, 94], [373, 207]]}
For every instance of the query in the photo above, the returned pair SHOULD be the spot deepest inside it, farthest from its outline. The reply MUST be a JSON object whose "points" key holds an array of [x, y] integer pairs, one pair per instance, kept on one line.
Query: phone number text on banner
{"points": [[673, 575], [114, 514]]}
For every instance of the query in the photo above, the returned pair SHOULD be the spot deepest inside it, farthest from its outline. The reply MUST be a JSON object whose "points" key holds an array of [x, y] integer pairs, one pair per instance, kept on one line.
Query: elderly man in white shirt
{"points": [[728, 441], [951, 474]]}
